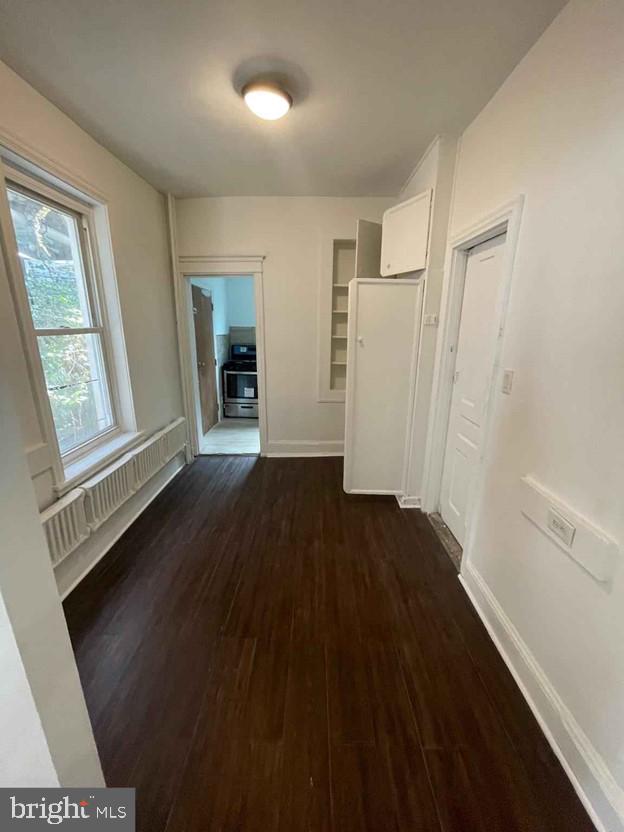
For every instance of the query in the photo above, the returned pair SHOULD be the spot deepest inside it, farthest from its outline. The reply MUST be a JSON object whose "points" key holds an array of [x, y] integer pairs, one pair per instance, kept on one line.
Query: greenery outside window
{"points": [[59, 272]]}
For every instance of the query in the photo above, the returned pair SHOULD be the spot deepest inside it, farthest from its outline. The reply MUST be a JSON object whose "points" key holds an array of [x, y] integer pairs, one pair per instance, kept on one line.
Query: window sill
{"points": [[98, 458]]}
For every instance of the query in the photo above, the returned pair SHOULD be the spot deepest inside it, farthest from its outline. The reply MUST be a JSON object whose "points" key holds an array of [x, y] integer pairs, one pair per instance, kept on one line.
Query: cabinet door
{"points": [[384, 324], [405, 236], [368, 249]]}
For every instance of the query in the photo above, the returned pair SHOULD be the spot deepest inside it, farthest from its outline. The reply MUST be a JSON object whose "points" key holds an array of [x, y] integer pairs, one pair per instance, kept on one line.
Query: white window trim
{"points": [[95, 290], [78, 464]]}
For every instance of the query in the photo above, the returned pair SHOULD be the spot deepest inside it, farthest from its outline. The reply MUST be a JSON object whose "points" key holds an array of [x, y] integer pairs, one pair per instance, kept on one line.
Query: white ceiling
{"points": [[373, 80]]}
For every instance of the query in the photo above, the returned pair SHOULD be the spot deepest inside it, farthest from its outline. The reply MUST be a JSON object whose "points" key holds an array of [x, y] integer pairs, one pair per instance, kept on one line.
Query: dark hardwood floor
{"points": [[262, 652]]}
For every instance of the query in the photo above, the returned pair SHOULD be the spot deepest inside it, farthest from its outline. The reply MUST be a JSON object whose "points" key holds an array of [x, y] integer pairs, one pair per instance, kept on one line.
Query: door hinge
{"points": [[455, 376]]}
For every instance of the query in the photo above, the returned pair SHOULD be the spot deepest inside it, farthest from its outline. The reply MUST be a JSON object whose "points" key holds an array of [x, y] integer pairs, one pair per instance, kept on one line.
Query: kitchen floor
{"points": [[232, 436]]}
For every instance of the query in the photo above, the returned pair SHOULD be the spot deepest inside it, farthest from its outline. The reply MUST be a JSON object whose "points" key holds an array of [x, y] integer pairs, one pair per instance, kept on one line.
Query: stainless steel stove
{"points": [[240, 382]]}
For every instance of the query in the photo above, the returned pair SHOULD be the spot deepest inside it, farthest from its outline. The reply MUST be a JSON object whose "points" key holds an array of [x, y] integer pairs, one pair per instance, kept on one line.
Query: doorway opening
{"points": [[226, 374]]}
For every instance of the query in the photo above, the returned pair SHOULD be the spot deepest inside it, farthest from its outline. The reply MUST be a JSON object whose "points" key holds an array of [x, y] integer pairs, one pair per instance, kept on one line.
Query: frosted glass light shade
{"points": [[267, 101]]}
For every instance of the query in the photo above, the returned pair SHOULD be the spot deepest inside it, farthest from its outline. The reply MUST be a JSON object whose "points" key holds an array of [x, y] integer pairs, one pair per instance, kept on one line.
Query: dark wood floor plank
{"points": [[460, 804], [362, 793], [414, 799], [393, 716], [262, 606], [262, 653], [305, 784], [263, 718], [309, 602], [341, 624], [220, 776], [351, 716]]}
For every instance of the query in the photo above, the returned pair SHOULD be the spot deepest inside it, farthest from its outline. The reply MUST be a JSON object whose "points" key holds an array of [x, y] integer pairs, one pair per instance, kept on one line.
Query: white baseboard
{"points": [[408, 502], [72, 569], [593, 782], [304, 447], [370, 493]]}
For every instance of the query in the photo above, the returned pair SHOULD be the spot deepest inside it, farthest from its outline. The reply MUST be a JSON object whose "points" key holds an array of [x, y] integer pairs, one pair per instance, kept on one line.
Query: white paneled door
{"points": [[474, 365]]}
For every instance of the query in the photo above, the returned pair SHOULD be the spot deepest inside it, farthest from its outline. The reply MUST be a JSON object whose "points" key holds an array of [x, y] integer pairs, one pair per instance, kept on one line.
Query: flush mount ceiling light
{"points": [[267, 101]]}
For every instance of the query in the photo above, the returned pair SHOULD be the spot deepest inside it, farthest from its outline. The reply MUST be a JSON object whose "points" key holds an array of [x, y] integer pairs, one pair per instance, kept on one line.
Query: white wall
{"points": [[140, 243], [554, 132], [291, 232], [45, 733], [24, 754]]}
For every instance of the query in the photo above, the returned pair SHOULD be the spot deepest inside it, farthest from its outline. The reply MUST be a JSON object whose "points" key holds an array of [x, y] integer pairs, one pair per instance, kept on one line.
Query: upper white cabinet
{"points": [[405, 235]]}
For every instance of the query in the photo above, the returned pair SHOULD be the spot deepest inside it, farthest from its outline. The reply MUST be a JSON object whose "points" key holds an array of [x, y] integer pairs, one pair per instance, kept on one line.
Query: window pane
{"points": [[48, 245], [76, 380]]}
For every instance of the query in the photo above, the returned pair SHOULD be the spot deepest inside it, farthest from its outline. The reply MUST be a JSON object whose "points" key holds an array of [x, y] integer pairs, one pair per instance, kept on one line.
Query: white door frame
{"points": [[506, 220], [216, 266]]}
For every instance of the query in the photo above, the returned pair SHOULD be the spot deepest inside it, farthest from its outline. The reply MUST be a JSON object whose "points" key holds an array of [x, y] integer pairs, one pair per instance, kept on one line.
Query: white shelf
{"points": [[337, 289]]}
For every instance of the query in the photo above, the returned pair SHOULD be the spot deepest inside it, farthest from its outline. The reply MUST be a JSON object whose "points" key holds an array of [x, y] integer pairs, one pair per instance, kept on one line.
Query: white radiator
{"points": [[71, 519], [65, 525], [149, 458], [106, 491], [176, 437]]}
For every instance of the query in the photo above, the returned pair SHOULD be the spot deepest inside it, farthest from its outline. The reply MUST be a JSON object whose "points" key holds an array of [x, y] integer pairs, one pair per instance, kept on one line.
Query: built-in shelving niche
{"points": [[343, 271]]}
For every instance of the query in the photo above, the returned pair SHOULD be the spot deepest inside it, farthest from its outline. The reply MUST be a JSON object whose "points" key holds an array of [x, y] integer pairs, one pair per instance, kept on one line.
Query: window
{"points": [[58, 268]]}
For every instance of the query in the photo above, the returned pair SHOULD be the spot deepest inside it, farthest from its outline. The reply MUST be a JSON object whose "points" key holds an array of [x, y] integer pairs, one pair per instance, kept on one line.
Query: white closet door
{"points": [[405, 235], [384, 325], [474, 364]]}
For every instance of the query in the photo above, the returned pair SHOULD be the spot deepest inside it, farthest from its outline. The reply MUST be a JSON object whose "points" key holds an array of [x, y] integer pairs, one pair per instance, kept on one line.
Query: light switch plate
{"points": [[507, 381]]}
